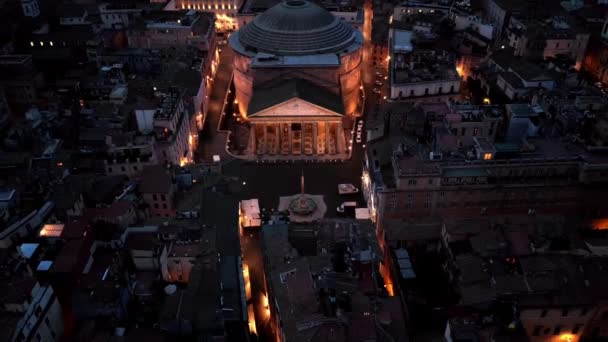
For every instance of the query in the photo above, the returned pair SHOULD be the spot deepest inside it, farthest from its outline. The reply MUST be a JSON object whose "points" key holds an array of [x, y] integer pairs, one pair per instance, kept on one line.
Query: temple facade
{"points": [[297, 120]]}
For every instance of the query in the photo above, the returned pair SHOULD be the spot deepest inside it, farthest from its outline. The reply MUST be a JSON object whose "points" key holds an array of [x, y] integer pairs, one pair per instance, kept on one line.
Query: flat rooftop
{"points": [[423, 66]]}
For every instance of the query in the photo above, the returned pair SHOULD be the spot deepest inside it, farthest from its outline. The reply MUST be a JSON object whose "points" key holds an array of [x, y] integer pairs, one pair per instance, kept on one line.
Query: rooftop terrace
{"points": [[423, 66]]}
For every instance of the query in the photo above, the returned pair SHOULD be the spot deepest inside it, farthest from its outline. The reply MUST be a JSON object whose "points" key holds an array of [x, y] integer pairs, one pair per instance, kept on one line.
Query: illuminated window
{"points": [[41, 43], [487, 156], [216, 6]]}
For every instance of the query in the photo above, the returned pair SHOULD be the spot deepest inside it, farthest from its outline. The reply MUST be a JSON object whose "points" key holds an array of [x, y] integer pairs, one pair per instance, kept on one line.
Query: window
{"points": [[122, 168], [154, 197], [576, 329], [162, 197], [557, 330], [135, 167], [38, 337], [475, 131], [164, 206], [431, 181], [109, 170], [458, 180], [605, 315], [155, 205], [564, 312], [463, 131], [547, 331], [543, 313], [411, 182], [584, 311], [47, 322], [537, 329], [38, 311], [487, 156]]}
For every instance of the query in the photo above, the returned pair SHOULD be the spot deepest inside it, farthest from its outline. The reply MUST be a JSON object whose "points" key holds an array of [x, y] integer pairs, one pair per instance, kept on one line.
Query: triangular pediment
{"points": [[295, 107]]}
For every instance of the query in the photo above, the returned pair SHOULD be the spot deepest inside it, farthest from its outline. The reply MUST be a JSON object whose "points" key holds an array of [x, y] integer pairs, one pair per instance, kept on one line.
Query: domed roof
{"points": [[296, 27]]}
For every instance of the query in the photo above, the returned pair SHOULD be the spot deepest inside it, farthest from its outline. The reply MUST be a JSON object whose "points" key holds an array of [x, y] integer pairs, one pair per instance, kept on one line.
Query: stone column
{"points": [[277, 141], [327, 136], [285, 137], [265, 138], [290, 139], [314, 138], [340, 138]]}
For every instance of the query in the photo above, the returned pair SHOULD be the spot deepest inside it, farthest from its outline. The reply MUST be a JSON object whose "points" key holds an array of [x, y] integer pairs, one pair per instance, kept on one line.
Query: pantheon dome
{"points": [[296, 27], [297, 39]]}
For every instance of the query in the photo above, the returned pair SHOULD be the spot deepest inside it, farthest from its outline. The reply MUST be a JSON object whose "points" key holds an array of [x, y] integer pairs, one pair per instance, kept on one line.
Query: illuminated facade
{"points": [[297, 79], [225, 11]]}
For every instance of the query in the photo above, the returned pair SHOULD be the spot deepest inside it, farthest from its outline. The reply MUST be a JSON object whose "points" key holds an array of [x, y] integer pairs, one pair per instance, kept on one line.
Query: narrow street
{"points": [[252, 256], [213, 142]]}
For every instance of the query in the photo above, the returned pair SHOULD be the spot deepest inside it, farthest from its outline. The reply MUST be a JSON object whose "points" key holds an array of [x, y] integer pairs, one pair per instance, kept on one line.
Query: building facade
{"points": [[129, 159], [421, 75], [158, 191], [225, 11], [168, 117], [43, 317]]}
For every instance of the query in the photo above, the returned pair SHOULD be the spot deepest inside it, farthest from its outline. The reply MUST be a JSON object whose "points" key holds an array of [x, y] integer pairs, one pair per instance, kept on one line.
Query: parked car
{"points": [[377, 90], [347, 189], [378, 83]]}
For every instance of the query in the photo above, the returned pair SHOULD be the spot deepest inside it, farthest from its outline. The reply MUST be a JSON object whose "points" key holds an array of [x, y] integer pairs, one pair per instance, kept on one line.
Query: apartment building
{"points": [[158, 191], [166, 29], [42, 318], [420, 75]]}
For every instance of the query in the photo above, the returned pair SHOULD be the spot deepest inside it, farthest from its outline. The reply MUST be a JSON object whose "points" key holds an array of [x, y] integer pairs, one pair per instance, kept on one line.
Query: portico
{"points": [[291, 121]]}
